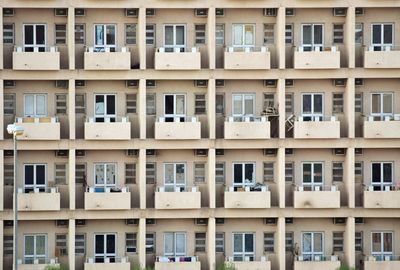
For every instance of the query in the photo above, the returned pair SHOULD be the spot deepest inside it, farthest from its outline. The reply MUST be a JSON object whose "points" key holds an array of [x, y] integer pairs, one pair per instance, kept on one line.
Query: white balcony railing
{"points": [[167, 188], [176, 259], [178, 119], [247, 119], [35, 49], [28, 189], [252, 188], [385, 257], [92, 260], [99, 49], [108, 119], [250, 49], [178, 50], [304, 48], [36, 120], [96, 189], [332, 188], [317, 258]]}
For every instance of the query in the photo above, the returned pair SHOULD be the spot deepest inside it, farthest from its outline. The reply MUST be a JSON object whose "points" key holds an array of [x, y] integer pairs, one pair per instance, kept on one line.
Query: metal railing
{"points": [[178, 50], [28, 189], [382, 187], [382, 48], [372, 118], [171, 259], [247, 118], [100, 49], [44, 260], [107, 119], [248, 188], [246, 49], [36, 119], [383, 257], [177, 119], [316, 187], [110, 259], [35, 48], [316, 118], [231, 259], [316, 48], [317, 258], [110, 189], [171, 188]]}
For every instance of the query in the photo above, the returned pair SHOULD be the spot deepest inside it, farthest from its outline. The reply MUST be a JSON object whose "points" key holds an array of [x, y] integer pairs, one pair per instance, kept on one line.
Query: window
{"points": [[150, 34], [268, 171], [130, 34], [200, 34], [200, 242], [175, 244], [359, 33], [358, 172], [131, 100], [243, 105], [338, 33], [338, 104], [312, 245], [244, 35], [312, 106], [289, 33], [220, 172], [243, 246], [269, 33], [80, 244], [289, 171], [358, 106], [219, 242], [151, 173], [9, 104], [289, 103], [199, 103], [382, 243], [35, 105], [312, 174], [130, 242], [61, 103], [34, 177], [104, 247], [61, 33], [150, 243], [60, 174], [9, 174], [150, 104], [220, 34], [269, 100], [8, 33], [269, 242], [382, 36], [80, 173], [199, 172], [289, 241], [105, 36], [381, 175], [61, 244], [80, 103], [174, 106], [338, 241], [220, 104], [8, 245], [174, 176], [79, 33], [105, 107], [337, 171], [312, 36], [381, 105], [130, 173], [174, 37], [34, 37], [359, 241], [35, 247], [244, 174], [105, 175]]}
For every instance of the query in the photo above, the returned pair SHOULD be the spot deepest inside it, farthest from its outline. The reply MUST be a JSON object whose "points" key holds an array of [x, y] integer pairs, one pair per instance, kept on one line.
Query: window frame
{"points": [[312, 115], [381, 46], [382, 252], [174, 185], [100, 257], [243, 43], [243, 254], [41, 47], [35, 256], [312, 183], [101, 47], [313, 44], [382, 184], [243, 182], [105, 166], [35, 107], [34, 180], [174, 33], [134, 39], [312, 254], [381, 114], [174, 244]]}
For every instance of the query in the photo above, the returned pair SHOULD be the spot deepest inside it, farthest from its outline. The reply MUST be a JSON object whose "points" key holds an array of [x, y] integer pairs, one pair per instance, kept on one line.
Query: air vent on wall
{"points": [[359, 82], [8, 153], [219, 152], [289, 151], [339, 221], [270, 221], [220, 12], [290, 12], [289, 220], [151, 83], [131, 152], [270, 152], [60, 12], [132, 83], [219, 221], [62, 223], [200, 221], [151, 152], [289, 82], [358, 151], [219, 83], [270, 12], [359, 220], [131, 12], [131, 221], [150, 221], [150, 12], [201, 83], [80, 222], [339, 82], [80, 83], [80, 153], [201, 152], [80, 12], [8, 223], [8, 12], [61, 153], [9, 83], [340, 12], [359, 11], [62, 84], [339, 151], [270, 83], [201, 12]]}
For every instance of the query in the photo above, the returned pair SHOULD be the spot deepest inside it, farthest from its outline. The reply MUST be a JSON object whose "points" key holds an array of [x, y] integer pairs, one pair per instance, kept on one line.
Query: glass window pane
{"points": [[387, 242], [249, 34], [376, 242], [387, 173], [318, 34], [40, 174], [237, 105], [169, 104], [29, 245], [180, 104], [99, 105], [388, 34], [249, 173], [99, 244], [40, 245], [249, 243], [180, 173], [318, 100], [306, 242], [110, 34], [307, 104], [387, 103], [237, 173], [318, 242], [28, 34], [376, 172], [306, 173], [376, 103], [99, 174], [99, 34], [248, 105], [169, 35], [307, 34], [237, 242], [110, 174], [169, 173], [40, 35], [317, 172], [28, 175], [40, 105], [110, 243], [111, 104], [29, 105], [237, 35], [180, 35], [376, 34], [180, 243], [168, 243]]}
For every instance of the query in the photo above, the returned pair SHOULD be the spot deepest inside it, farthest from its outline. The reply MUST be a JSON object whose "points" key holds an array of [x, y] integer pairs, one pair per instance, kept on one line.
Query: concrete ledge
{"points": [[177, 266], [177, 61], [247, 130], [317, 60], [247, 60], [39, 201], [381, 129], [317, 199], [312, 265], [108, 131], [178, 200], [382, 59], [107, 200], [245, 199], [177, 130], [316, 130], [36, 60], [382, 199], [107, 60]]}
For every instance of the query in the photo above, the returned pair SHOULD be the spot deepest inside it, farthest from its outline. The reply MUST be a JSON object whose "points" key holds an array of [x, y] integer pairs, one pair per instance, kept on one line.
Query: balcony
{"points": [[388, 58], [250, 265], [119, 264], [179, 198], [108, 130], [108, 199], [388, 129], [49, 59], [388, 198], [106, 59], [329, 129], [247, 58], [46, 199], [247, 197], [182, 128], [247, 128], [387, 262], [316, 197], [190, 59], [37, 264], [177, 263], [39, 128], [320, 262], [317, 59]]}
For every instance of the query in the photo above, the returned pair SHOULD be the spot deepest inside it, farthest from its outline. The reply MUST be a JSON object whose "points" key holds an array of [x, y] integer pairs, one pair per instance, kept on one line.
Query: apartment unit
{"points": [[184, 135]]}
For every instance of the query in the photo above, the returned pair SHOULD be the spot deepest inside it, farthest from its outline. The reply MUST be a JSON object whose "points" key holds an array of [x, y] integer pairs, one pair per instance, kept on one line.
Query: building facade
{"points": [[182, 135]]}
